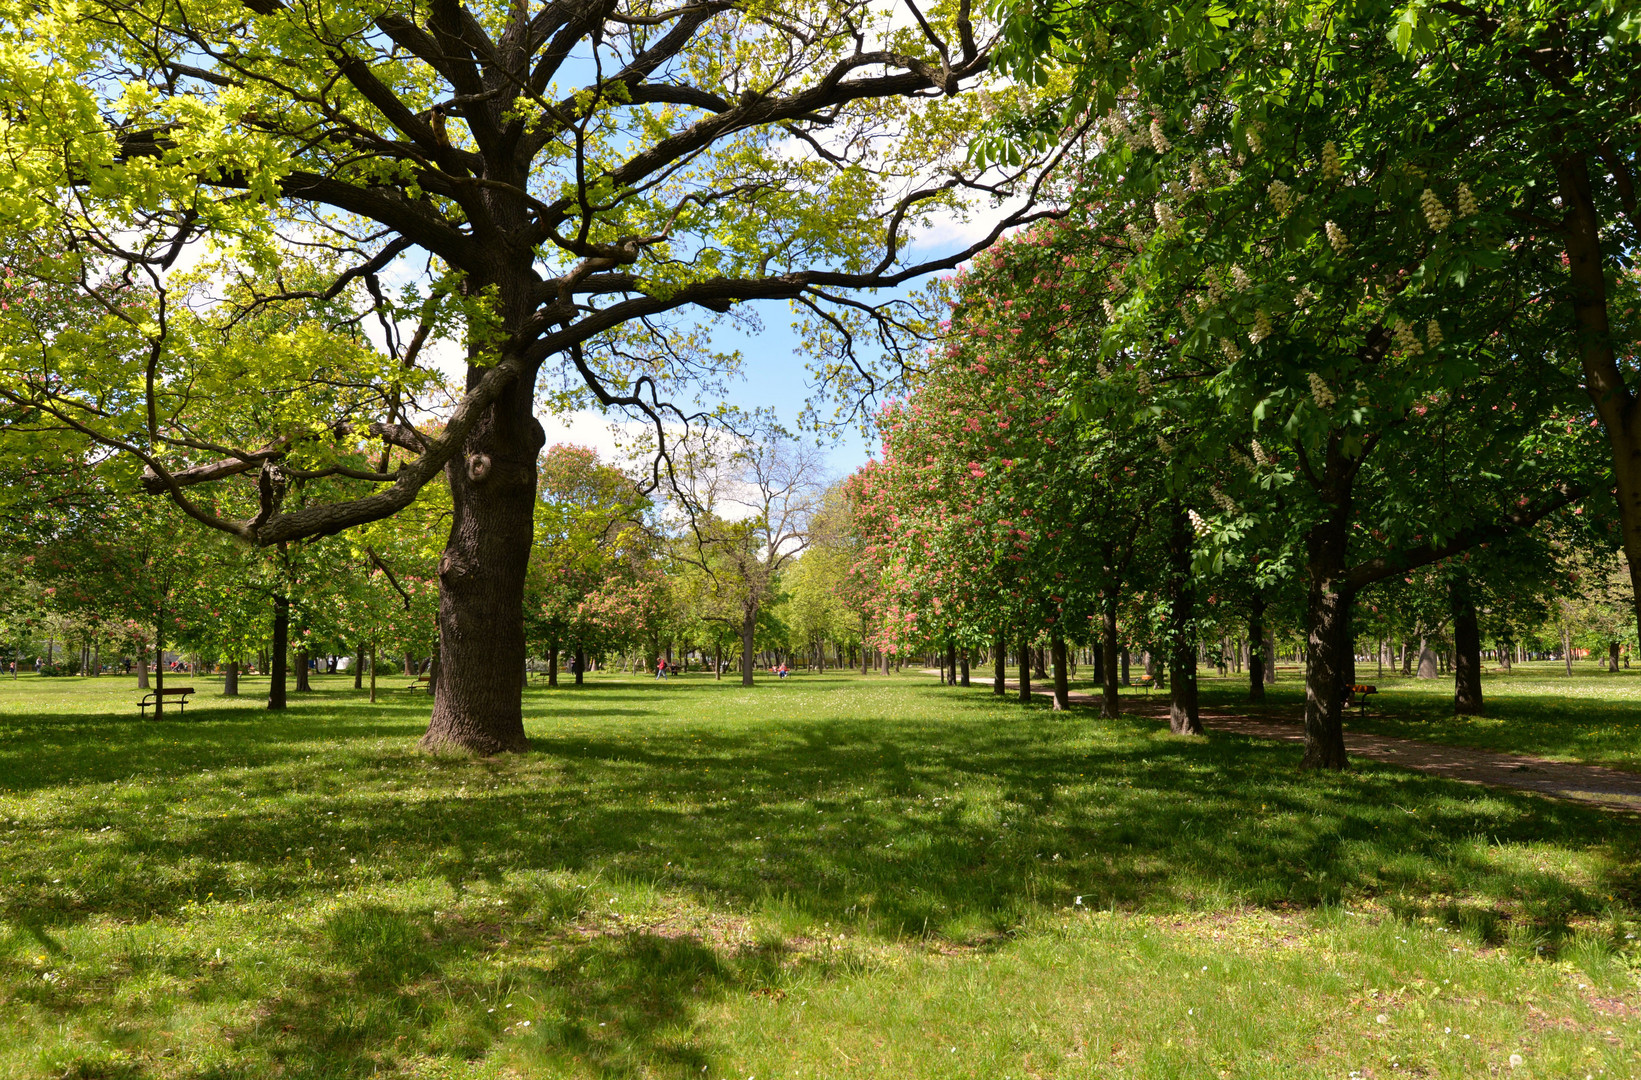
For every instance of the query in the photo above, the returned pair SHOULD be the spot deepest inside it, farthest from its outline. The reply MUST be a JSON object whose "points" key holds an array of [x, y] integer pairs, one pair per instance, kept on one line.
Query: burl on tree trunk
{"points": [[477, 704]]}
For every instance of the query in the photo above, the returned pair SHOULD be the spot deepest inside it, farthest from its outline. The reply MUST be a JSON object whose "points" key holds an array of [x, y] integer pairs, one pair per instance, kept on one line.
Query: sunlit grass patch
{"points": [[822, 877]]}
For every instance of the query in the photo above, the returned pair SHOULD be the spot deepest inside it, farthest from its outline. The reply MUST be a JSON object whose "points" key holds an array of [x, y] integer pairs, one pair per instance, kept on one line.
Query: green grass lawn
{"points": [[836, 876]]}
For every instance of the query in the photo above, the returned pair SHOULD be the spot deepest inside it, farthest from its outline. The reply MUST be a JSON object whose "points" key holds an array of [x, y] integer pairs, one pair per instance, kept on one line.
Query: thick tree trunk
{"points": [[1062, 681], [1427, 659], [1612, 656], [963, 667], [302, 684], [230, 679], [1466, 648], [580, 664], [749, 625], [280, 653], [1183, 718], [1506, 652], [478, 695], [1328, 613], [951, 661], [1039, 662], [1025, 670], [999, 665], [1256, 648], [142, 669]]}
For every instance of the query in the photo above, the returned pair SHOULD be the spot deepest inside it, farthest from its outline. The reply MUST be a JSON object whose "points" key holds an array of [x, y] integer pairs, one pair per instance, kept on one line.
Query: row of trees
{"points": [[1333, 312]]}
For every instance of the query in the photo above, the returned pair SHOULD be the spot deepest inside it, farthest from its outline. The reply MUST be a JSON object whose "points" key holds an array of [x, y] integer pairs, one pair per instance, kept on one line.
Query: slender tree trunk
{"points": [[1328, 607], [373, 674], [999, 665], [552, 662], [478, 702], [1110, 673], [1467, 699], [749, 626], [280, 652], [1256, 649], [159, 669], [951, 661], [1567, 649], [142, 669], [580, 663], [1062, 682], [1025, 670], [718, 659], [1183, 718], [359, 669], [230, 679]]}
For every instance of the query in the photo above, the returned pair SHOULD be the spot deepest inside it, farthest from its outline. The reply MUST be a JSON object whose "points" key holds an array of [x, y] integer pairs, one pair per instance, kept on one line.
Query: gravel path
{"points": [[1597, 785]]}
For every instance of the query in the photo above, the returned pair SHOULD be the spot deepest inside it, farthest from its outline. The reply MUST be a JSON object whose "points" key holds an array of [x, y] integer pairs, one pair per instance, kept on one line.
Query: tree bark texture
{"points": [[1025, 671], [1256, 650], [580, 661], [302, 684], [999, 666], [749, 626], [1327, 610], [1110, 707], [359, 668], [230, 679], [963, 667], [951, 662], [478, 702], [281, 652], [1183, 718], [1062, 682], [1467, 700], [142, 669]]}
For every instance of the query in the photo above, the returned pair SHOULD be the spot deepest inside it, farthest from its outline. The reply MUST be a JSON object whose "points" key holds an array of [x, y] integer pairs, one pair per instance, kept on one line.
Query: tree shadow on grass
{"points": [[885, 827]]}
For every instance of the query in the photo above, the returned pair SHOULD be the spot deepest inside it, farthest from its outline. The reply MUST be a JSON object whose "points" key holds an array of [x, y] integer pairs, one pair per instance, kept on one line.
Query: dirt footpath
{"points": [[1613, 789]]}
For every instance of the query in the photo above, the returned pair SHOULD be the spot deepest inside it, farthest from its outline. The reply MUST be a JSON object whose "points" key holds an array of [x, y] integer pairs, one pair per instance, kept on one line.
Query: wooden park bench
{"points": [[177, 693], [421, 681], [1359, 695]]}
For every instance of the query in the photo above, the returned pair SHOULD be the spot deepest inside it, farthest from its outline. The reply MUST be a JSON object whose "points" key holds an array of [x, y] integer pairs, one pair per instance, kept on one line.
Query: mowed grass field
{"points": [[830, 876]]}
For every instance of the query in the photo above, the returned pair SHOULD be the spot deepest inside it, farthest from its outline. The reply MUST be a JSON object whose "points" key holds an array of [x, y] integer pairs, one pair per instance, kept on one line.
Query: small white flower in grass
{"points": [[1381, 1019], [1077, 902], [1467, 201], [1337, 237], [1516, 1061]]}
